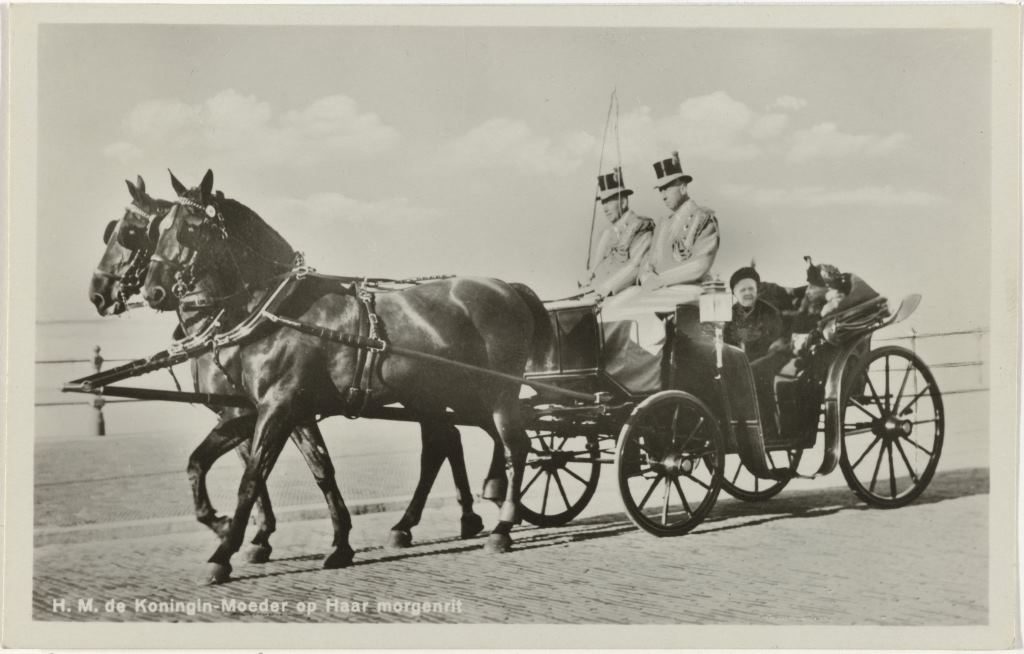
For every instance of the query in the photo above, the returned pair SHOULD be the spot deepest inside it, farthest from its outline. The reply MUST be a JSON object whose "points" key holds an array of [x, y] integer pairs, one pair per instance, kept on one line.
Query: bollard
{"points": [[98, 401]]}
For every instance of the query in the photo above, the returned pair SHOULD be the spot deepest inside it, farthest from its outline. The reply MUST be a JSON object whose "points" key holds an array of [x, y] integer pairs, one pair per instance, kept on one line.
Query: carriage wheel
{"points": [[893, 425], [738, 481], [668, 463], [561, 476]]}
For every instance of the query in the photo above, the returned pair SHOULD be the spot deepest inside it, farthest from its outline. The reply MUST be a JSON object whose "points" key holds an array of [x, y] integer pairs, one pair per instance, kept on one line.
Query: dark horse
{"points": [[129, 243], [224, 253]]}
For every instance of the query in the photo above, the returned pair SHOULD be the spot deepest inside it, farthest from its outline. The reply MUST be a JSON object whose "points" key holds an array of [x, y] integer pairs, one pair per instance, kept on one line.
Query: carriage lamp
{"points": [[716, 308]]}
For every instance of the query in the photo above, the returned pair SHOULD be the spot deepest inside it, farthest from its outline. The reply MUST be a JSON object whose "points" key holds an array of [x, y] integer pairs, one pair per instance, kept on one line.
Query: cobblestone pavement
{"points": [[925, 564]]}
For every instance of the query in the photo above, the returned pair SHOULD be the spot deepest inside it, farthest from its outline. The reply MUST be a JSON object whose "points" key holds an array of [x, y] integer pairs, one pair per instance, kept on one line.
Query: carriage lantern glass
{"points": [[716, 308], [715, 302]]}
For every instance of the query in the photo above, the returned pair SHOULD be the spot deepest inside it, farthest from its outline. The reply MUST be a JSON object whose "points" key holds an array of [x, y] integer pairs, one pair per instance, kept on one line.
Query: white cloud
{"points": [[789, 103], [818, 196], [321, 210], [123, 152], [827, 141], [712, 127], [503, 142], [242, 129]]}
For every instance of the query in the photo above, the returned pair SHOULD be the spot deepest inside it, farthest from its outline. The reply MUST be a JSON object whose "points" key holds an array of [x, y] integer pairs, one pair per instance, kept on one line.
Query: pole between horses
{"points": [[98, 401]]}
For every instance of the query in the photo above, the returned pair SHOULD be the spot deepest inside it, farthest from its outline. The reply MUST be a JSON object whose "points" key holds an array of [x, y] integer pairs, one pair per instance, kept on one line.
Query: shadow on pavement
{"points": [[801, 504]]}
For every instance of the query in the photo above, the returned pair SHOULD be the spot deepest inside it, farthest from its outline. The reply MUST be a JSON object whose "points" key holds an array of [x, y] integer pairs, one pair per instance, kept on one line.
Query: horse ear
{"points": [[206, 186], [140, 183], [132, 190], [179, 188]]}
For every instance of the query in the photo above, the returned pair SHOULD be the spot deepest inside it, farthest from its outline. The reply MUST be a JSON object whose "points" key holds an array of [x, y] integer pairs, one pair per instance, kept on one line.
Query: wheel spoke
{"points": [[888, 406], [892, 472], [917, 397], [860, 406], [700, 423], [916, 444], [664, 502], [533, 479], [547, 487], [581, 479], [682, 495], [865, 453], [650, 491], [878, 466], [561, 489], [739, 468], [565, 439], [874, 393], [903, 387], [694, 479], [924, 422], [854, 432], [906, 462]]}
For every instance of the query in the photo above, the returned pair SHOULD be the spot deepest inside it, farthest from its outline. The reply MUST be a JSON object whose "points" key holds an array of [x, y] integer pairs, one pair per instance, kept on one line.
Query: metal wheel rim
{"points": [[893, 428], [662, 500]]}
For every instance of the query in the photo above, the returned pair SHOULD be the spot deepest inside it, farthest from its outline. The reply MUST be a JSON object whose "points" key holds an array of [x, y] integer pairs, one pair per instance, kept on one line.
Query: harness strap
{"points": [[357, 396]]}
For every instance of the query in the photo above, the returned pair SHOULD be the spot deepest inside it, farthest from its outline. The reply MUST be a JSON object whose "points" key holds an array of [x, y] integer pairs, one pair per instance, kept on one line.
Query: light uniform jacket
{"points": [[619, 252], [684, 245]]}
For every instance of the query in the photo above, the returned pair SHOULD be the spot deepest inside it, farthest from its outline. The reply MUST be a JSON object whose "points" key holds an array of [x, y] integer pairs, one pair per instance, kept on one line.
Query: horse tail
{"points": [[543, 335]]}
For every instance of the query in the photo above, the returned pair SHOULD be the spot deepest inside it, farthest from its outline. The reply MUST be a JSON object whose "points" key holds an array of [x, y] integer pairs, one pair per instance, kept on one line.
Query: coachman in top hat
{"points": [[623, 245]]}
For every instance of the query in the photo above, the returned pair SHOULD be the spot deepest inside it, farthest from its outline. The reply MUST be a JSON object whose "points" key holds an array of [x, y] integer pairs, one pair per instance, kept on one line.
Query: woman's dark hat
{"points": [[611, 185], [747, 272], [669, 170]]}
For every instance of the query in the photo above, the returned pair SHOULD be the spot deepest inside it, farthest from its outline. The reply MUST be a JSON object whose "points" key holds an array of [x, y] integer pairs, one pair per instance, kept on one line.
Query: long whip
{"points": [[612, 102]]}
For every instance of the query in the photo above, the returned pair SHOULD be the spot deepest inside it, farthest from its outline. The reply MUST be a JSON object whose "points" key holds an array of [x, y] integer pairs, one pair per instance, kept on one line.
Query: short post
{"points": [[98, 401]]}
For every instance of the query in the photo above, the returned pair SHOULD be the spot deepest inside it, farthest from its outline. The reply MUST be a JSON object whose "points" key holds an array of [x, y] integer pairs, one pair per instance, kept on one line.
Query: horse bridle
{"points": [[185, 272], [134, 276]]}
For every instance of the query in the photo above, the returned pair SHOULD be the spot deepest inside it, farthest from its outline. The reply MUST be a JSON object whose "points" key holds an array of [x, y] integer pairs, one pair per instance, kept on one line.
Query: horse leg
{"points": [[311, 443], [266, 522], [495, 484], [221, 439], [273, 425], [434, 437], [471, 523], [508, 425]]}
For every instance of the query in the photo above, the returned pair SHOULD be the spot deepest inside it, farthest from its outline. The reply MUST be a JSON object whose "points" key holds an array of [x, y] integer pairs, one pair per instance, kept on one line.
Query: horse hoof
{"points": [[471, 525], [399, 539], [494, 489], [339, 558], [216, 573], [259, 553], [498, 543]]}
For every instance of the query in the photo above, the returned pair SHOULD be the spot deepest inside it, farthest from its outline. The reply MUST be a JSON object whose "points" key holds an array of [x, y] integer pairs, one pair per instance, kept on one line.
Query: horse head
{"points": [[129, 242], [214, 249]]}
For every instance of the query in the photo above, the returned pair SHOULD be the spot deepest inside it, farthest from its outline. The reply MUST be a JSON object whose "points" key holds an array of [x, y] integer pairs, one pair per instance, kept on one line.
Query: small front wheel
{"points": [[562, 471], [669, 463]]}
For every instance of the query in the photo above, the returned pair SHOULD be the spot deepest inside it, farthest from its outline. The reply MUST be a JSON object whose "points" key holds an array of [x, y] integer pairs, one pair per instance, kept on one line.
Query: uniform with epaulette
{"points": [[683, 248], [623, 246]]}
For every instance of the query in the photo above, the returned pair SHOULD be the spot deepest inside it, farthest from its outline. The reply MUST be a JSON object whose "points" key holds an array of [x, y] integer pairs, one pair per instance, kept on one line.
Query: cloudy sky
{"points": [[417, 151]]}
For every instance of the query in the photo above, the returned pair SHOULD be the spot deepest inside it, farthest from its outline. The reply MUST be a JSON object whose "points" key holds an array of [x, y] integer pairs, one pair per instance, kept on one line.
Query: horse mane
{"points": [[246, 227]]}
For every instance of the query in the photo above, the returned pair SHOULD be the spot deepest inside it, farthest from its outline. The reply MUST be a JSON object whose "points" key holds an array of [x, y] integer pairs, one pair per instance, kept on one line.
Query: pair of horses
{"points": [[210, 258]]}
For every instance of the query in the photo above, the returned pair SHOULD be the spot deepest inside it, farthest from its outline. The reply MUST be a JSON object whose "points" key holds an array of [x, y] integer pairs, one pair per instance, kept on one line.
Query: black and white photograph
{"points": [[592, 326]]}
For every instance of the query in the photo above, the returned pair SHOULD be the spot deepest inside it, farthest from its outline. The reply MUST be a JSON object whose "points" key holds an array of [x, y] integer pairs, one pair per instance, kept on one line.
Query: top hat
{"points": [[610, 185], [669, 170]]}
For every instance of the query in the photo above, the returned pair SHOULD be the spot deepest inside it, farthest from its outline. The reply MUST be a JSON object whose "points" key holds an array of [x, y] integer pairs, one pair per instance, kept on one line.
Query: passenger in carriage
{"points": [[757, 328], [682, 251], [623, 245]]}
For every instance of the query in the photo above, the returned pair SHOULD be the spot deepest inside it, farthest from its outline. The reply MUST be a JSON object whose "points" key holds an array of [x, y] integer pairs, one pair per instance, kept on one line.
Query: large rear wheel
{"points": [[669, 463], [893, 427]]}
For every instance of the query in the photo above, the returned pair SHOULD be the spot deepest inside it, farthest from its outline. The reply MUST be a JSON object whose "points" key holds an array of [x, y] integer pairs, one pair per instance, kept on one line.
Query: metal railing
{"points": [[99, 402]]}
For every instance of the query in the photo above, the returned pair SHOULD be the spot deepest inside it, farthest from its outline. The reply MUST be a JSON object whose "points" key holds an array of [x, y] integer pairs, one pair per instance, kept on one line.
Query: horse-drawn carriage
{"points": [[877, 413]]}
